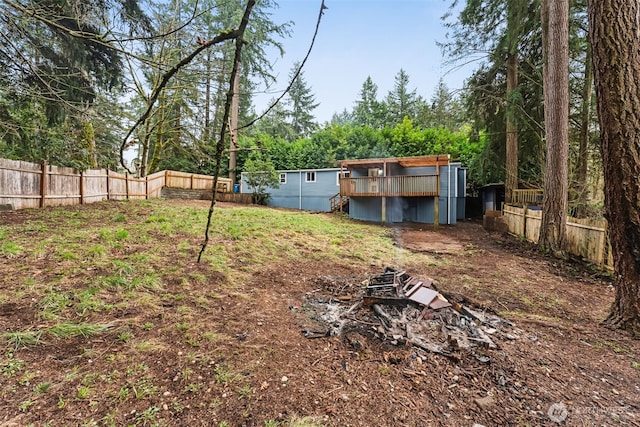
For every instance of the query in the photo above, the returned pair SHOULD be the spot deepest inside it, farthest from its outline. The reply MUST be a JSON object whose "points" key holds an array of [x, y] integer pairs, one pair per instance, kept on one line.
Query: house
{"points": [[306, 189], [427, 189]]}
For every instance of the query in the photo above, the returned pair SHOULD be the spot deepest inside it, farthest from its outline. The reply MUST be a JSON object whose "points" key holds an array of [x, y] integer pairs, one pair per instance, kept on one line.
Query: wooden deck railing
{"points": [[337, 201], [390, 186], [527, 197]]}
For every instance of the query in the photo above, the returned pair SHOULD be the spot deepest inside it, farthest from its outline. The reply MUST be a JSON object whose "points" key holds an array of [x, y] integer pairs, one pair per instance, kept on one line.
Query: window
{"points": [[345, 174], [310, 177], [283, 178]]}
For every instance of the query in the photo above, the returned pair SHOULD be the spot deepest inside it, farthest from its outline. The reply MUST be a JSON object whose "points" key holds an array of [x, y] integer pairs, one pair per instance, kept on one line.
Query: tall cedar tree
{"points": [[614, 38]]}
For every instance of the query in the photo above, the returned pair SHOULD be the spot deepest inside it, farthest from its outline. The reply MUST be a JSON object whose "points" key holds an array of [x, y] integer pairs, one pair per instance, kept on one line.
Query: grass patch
{"points": [[20, 339], [10, 366], [10, 249], [69, 330]]}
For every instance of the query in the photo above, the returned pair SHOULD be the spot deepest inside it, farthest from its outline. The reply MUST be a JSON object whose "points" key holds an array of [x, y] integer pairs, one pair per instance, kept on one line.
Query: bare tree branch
{"points": [[227, 107], [297, 73], [233, 34]]}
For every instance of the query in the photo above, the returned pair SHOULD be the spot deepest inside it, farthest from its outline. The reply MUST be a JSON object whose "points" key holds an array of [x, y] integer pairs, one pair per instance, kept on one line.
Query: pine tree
{"points": [[368, 111], [300, 105], [401, 102]]}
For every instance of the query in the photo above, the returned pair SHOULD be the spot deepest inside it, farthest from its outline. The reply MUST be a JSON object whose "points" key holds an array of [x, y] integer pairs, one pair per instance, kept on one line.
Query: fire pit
{"points": [[400, 309]]}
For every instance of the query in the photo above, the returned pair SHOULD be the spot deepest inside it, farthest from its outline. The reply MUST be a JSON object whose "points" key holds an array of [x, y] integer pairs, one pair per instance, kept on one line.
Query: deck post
{"points": [[340, 187], [436, 200], [383, 190]]}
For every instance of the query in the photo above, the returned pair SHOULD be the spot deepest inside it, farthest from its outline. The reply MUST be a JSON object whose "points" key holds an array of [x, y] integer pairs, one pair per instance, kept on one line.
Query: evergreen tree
{"points": [[58, 61], [300, 103], [478, 30], [445, 110], [368, 111], [613, 32], [401, 102], [555, 36]]}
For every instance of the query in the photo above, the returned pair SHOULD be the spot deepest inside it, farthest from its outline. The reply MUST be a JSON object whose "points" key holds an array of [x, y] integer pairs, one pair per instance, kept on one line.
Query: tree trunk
{"points": [[555, 41], [207, 100], [233, 128], [614, 38], [583, 153], [511, 170]]}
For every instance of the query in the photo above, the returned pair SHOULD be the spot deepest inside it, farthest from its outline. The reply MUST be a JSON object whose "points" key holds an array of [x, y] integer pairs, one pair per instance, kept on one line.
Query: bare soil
{"points": [[260, 369]]}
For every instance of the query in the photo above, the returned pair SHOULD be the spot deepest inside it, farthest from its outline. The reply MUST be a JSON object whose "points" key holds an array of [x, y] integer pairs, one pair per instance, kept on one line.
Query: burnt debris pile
{"points": [[403, 310]]}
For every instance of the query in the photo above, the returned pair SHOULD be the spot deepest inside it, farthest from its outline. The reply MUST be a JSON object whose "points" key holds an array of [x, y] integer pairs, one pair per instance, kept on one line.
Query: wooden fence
{"points": [[585, 237], [32, 185]]}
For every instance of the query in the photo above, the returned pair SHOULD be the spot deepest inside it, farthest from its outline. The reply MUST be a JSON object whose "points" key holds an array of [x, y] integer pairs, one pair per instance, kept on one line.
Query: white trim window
{"points": [[310, 176], [283, 178], [345, 174]]}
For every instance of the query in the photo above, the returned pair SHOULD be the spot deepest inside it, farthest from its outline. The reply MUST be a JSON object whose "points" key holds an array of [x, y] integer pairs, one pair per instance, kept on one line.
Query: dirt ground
{"points": [[561, 368]]}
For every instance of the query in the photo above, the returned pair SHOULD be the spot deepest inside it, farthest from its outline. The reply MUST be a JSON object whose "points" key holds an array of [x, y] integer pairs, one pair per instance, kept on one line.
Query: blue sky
{"points": [[360, 38]]}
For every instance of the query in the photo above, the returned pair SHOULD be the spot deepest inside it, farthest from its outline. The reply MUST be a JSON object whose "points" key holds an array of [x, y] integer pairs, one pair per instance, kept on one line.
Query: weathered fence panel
{"points": [[155, 182], [62, 186], [20, 184], [586, 238], [194, 181], [515, 218], [94, 186], [533, 220], [31, 185], [118, 186]]}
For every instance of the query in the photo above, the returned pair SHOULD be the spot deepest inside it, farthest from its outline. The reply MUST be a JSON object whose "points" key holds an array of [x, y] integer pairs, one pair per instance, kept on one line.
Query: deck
{"points": [[391, 186]]}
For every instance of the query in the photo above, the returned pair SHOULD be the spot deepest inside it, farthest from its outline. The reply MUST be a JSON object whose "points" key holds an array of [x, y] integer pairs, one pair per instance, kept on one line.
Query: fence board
{"points": [[20, 183], [533, 220], [587, 239], [515, 218], [155, 182]]}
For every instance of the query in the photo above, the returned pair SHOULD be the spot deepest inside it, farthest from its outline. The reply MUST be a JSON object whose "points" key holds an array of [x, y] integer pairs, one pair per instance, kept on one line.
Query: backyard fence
{"points": [[586, 238], [32, 185]]}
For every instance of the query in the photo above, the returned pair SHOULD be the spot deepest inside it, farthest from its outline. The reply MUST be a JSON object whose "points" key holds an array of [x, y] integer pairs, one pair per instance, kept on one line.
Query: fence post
{"points": [[524, 222], [81, 187], [146, 187], [43, 184], [126, 184], [604, 247], [108, 187], [191, 185]]}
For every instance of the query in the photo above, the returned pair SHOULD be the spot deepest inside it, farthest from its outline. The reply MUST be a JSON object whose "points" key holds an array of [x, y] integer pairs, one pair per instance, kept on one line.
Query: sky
{"points": [[361, 38]]}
